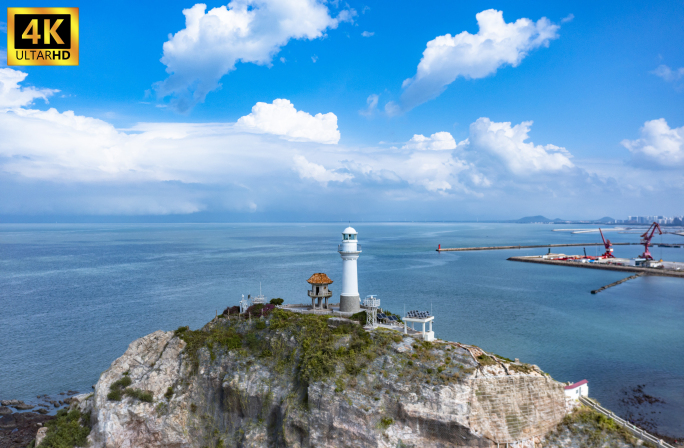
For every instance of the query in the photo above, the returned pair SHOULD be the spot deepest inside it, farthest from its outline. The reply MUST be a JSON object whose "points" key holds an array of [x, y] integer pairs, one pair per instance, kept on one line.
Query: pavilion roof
{"points": [[319, 278]]}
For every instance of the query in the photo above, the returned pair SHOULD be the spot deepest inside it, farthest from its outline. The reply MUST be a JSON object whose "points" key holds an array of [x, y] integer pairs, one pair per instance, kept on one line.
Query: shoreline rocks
{"points": [[19, 429]]}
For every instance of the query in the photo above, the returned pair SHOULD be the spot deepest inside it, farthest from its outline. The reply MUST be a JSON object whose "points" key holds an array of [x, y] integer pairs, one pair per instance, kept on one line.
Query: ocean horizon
{"points": [[75, 296]]}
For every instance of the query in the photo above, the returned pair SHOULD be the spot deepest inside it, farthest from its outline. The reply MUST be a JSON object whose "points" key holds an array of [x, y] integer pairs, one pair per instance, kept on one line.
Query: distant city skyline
{"points": [[304, 110]]}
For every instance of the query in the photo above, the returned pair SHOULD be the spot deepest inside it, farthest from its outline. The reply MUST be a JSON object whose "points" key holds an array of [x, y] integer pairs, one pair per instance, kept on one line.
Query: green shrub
{"points": [[221, 335], [485, 360], [359, 317], [169, 393], [114, 395], [260, 325], [68, 430], [121, 383], [277, 301], [142, 395], [116, 388], [386, 422]]}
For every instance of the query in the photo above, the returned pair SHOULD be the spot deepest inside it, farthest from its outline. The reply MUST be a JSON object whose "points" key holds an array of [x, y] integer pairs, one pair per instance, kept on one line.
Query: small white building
{"points": [[422, 318], [579, 389]]}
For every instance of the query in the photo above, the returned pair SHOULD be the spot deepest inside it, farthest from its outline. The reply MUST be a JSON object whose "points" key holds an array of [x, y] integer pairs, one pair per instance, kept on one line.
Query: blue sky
{"points": [[303, 110]]}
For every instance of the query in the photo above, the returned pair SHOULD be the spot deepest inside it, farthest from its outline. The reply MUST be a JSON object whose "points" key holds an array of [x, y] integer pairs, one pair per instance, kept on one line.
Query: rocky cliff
{"points": [[303, 380]]}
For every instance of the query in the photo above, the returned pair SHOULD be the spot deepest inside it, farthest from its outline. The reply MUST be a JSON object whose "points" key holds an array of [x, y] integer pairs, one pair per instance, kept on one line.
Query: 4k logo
{"points": [[42, 36]]}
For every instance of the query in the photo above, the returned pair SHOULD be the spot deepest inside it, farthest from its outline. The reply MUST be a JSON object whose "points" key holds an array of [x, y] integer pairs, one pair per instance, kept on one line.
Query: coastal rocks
{"points": [[19, 429], [10, 402], [17, 404], [40, 435], [23, 406], [4, 410]]}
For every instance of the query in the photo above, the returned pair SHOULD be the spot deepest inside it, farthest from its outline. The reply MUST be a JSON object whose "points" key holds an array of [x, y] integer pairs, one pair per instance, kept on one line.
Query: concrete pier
{"points": [[609, 267], [459, 249]]}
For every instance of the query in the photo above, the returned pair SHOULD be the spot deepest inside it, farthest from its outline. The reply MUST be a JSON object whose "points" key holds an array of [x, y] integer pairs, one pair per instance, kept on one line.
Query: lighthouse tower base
{"points": [[349, 304]]}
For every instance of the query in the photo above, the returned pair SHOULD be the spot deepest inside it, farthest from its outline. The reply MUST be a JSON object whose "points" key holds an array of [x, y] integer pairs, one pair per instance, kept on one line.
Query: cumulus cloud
{"points": [[63, 162], [438, 141], [659, 145], [253, 31], [490, 142], [14, 95], [309, 170], [568, 18], [281, 118], [368, 33], [371, 105], [474, 56]]}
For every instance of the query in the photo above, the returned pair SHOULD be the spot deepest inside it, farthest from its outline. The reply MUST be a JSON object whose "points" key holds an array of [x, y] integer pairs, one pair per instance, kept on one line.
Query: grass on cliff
{"points": [[68, 430], [119, 388], [314, 354], [595, 429]]}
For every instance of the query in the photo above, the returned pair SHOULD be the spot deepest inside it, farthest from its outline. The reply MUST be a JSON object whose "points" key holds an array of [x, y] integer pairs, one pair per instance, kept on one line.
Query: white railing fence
{"points": [[637, 432]]}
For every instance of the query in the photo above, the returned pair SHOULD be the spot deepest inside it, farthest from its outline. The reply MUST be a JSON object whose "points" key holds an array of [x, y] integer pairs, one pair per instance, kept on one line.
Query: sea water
{"points": [[73, 296]]}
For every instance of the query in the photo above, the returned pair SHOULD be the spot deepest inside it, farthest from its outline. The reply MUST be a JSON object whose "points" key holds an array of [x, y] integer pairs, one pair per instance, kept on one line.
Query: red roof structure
{"points": [[576, 385], [319, 278]]}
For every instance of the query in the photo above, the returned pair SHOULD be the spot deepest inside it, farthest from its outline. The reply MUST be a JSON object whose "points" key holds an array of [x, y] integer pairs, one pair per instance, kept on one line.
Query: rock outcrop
{"points": [[292, 380]]}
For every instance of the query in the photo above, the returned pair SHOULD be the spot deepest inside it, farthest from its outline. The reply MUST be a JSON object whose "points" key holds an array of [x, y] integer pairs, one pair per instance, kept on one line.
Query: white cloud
{"points": [[314, 59], [659, 145], [438, 141], [281, 118], [283, 60], [371, 105], [473, 56], [500, 142], [13, 95], [675, 76], [61, 162], [368, 33], [568, 18], [244, 31], [309, 170]]}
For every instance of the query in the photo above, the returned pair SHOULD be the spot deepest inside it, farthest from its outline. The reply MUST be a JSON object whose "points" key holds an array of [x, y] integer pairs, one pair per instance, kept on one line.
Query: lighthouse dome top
{"points": [[350, 231]]}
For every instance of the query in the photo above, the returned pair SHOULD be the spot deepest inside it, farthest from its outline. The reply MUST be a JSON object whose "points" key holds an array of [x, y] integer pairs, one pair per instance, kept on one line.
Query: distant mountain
{"points": [[605, 219], [538, 218]]}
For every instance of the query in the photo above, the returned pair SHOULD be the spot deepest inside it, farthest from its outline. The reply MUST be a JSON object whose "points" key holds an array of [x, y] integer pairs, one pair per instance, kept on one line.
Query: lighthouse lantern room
{"points": [[349, 250]]}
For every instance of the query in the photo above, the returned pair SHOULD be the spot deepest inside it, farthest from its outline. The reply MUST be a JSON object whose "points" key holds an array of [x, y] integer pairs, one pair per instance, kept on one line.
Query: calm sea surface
{"points": [[72, 297]]}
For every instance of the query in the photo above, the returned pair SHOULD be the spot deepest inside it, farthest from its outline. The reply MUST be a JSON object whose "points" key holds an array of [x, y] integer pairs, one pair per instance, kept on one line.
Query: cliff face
{"points": [[293, 380]]}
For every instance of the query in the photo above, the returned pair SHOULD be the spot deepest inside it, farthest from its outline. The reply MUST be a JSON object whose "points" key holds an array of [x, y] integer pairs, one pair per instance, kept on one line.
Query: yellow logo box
{"points": [[42, 36]]}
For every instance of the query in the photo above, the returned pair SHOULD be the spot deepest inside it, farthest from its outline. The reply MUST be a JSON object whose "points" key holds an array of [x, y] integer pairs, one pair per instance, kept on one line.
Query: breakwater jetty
{"points": [[609, 267], [536, 246], [631, 277]]}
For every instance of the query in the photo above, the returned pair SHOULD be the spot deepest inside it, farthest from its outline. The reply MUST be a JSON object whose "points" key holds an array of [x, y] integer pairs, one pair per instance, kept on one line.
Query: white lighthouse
{"points": [[349, 251]]}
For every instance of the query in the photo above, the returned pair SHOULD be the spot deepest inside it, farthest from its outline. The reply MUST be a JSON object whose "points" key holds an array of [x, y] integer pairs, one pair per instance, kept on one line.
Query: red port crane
{"points": [[608, 246], [646, 239]]}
